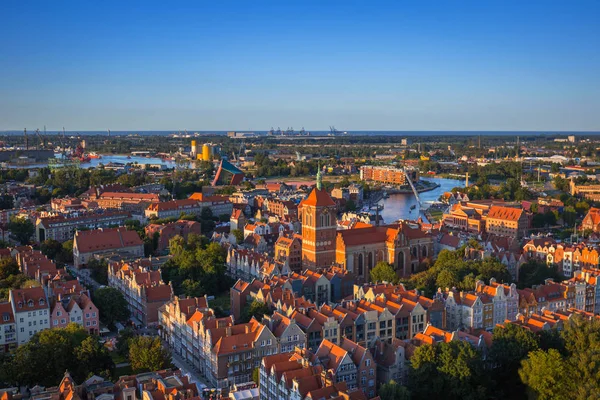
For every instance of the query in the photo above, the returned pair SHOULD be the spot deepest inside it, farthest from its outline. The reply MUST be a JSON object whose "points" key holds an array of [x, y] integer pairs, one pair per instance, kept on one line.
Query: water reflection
{"points": [[397, 206]]}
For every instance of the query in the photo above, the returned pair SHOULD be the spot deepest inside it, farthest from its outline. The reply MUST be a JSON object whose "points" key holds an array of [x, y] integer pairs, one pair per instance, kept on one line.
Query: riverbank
{"points": [[398, 206]]}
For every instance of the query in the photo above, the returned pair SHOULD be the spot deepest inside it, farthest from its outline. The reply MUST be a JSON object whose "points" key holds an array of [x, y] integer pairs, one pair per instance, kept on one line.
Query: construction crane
{"points": [[41, 143]]}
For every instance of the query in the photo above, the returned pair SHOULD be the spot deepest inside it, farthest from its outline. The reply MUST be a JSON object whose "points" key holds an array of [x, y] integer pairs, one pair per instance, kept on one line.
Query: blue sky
{"points": [[358, 65]]}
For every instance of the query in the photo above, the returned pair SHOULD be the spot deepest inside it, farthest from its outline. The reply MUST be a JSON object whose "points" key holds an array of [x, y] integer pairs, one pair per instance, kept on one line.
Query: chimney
{"points": [[228, 331]]}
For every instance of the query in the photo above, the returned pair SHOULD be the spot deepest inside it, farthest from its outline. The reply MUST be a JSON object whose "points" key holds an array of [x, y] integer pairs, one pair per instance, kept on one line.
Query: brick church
{"points": [[358, 249]]}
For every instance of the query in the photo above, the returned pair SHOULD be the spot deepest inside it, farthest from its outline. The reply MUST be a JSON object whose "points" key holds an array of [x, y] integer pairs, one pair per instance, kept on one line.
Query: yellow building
{"points": [[193, 149], [206, 152]]}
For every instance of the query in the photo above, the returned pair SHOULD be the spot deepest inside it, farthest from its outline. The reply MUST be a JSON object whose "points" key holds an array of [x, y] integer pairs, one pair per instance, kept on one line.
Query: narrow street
{"points": [[188, 370]]}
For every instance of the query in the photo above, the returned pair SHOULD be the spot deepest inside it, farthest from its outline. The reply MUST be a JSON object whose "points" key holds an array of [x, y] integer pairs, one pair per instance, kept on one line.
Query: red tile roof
{"points": [[106, 239], [505, 213], [318, 198], [34, 294]]}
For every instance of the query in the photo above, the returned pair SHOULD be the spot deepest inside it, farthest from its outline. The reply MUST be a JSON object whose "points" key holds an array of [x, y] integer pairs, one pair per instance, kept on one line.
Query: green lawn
{"points": [[436, 215]]}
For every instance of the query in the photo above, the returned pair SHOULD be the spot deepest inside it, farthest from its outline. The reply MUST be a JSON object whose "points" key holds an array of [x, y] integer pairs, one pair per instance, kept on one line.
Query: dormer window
{"points": [[42, 302], [20, 304], [30, 303]]}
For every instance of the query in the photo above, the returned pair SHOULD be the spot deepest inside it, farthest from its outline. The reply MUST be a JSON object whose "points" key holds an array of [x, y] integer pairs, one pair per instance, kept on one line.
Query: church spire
{"points": [[319, 178]]}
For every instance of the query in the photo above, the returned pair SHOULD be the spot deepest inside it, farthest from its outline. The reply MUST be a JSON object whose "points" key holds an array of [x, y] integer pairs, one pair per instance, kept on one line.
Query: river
{"points": [[105, 160], [397, 206]]}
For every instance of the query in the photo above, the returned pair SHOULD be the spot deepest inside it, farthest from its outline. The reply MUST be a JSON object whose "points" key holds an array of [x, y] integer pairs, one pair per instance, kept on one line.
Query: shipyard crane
{"points": [[42, 142], [26, 141]]}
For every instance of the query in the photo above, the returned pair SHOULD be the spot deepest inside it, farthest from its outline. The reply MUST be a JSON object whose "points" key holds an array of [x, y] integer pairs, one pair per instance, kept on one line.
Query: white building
{"points": [[31, 311]]}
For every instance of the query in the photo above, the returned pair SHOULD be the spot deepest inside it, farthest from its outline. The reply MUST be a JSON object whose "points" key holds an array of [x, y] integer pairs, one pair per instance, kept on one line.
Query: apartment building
{"points": [[468, 310], [289, 250], [62, 228], [282, 208], [287, 331], [166, 232], [351, 364], [507, 221], [8, 328], [134, 202], [173, 209], [98, 241], [388, 175], [551, 296], [279, 372], [31, 312], [143, 289], [183, 322], [235, 351], [218, 205], [505, 299], [75, 308]]}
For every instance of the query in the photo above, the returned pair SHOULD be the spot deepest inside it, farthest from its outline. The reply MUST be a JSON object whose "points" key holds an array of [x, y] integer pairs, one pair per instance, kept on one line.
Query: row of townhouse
{"points": [[225, 353], [552, 296], [155, 385], [568, 259], [302, 374], [218, 205], [71, 302], [487, 306], [320, 287], [59, 301], [546, 320], [393, 358], [143, 288], [63, 228], [34, 263], [387, 317]]}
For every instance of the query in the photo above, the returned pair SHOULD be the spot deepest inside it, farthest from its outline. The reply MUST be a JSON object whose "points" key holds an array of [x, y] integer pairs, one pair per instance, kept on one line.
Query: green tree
{"points": [[66, 255], [148, 354], [383, 271], [256, 375], [393, 391], [51, 248], [546, 376], [239, 235], [535, 272], [22, 229], [92, 356], [111, 305], [8, 267], [123, 339], [511, 344], [569, 216], [98, 270], [454, 369], [447, 279], [256, 309], [49, 353], [350, 205]]}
